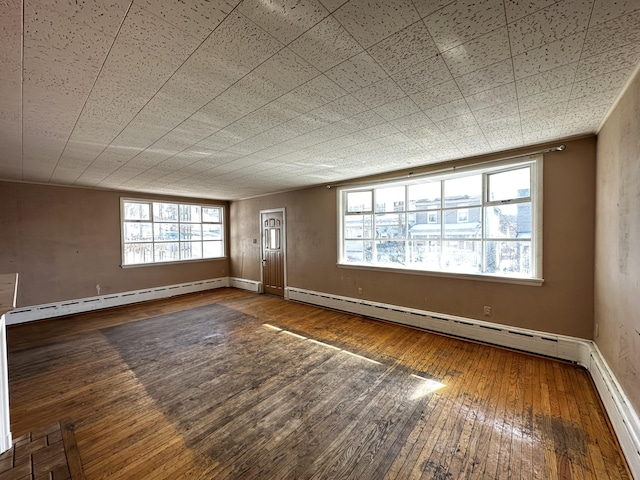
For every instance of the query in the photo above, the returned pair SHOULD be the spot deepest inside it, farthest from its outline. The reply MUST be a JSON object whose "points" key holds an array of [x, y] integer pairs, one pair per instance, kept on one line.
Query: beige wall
{"points": [[617, 271], [63, 241], [564, 304]]}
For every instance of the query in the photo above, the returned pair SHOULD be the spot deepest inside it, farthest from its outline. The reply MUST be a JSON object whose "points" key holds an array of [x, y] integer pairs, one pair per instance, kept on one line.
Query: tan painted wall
{"points": [[617, 271], [564, 304], [63, 241]]}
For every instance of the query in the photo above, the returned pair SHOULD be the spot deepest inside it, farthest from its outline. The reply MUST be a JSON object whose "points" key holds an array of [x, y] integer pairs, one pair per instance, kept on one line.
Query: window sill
{"points": [[532, 282], [160, 264]]}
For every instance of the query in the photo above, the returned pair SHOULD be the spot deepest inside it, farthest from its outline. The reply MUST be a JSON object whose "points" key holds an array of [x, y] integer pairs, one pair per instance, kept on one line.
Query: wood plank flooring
{"points": [[228, 384]]}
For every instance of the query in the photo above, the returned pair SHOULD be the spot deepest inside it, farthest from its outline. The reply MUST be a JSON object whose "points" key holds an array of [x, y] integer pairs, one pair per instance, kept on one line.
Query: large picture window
{"points": [[482, 220], [160, 232]]}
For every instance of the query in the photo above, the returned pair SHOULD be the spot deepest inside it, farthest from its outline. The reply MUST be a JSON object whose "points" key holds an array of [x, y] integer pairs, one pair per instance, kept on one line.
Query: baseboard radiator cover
{"points": [[250, 285], [88, 304], [583, 352]]}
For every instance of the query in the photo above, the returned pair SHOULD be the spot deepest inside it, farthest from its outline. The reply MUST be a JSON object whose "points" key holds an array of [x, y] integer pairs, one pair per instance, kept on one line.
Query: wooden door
{"points": [[273, 252]]}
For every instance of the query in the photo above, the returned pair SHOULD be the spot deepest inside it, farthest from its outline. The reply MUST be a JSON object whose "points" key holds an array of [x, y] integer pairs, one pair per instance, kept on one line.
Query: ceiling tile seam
{"points": [[186, 32], [95, 80], [513, 69], [152, 97], [575, 74]]}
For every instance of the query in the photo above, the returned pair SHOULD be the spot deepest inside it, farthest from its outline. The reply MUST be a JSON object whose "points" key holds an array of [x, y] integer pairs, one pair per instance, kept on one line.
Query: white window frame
{"points": [[535, 163], [123, 241]]}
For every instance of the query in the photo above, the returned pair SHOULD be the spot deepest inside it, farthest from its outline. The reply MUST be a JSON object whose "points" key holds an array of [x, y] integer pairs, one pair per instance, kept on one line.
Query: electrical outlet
{"points": [[487, 311], [359, 290]]}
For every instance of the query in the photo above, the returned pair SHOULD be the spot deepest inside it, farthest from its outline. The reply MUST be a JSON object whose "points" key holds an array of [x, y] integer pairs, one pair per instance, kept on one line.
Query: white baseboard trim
{"points": [[583, 352], [250, 285], [69, 307]]}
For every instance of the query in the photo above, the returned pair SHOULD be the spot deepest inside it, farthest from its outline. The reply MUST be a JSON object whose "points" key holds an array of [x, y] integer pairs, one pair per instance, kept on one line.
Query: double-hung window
{"points": [[161, 232], [481, 220]]}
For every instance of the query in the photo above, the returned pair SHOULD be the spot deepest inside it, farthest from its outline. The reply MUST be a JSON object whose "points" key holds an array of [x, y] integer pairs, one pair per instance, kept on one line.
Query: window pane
{"points": [[390, 252], [137, 232], [166, 252], [508, 221], [358, 251], [391, 225], [165, 212], [463, 191], [464, 256], [463, 223], [190, 213], [508, 258], [390, 199], [211, 231], [212, 215], [424, 196], [358, 226], [190, 232], [137, 211], [509, 185], [190, 250], [424, 254], [212, 249], [359, 201], [135, 253], [165, 232]]}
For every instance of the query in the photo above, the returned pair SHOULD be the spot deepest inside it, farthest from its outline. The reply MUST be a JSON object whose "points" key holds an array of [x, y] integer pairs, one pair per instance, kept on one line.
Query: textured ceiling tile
{"points": [[427, 7], [486, 78], [326, 45], [370, 21], [298, 71], [472, 144], [548, 97], [409, 46], [517, 9], [495, 96], [379, 93], [339, 109], [613, 34], [238, 44], [479, 53], [541, 82], [398, 108], [507, 109], [602, 99], [605, 10], [609, 61], [504, 139], [412, 122], [357, 72], [313, 94], [448, 110], [250, 93], [101, 16], [430, 72], [284, 19], [548, 57], [437, 95], [550, 24], [602, 83], [463, 123], [463, 21], [333, 5], [500, 124], [196, 17]]}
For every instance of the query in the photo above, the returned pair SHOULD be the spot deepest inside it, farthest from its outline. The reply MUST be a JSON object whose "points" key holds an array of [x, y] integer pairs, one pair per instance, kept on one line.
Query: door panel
{"points": [[273, 252]]}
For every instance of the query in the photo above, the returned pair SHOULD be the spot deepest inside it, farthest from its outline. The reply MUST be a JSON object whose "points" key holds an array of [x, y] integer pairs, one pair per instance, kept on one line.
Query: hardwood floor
{"points": [[229, 384]]}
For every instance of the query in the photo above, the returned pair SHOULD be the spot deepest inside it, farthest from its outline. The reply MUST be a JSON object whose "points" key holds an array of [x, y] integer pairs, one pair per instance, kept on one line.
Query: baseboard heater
{"points": [[70, 307], [583, 352]]}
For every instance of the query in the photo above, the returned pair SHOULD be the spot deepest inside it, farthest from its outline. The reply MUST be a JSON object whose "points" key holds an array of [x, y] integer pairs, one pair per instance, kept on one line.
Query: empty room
{"points": [[320, 239]]}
